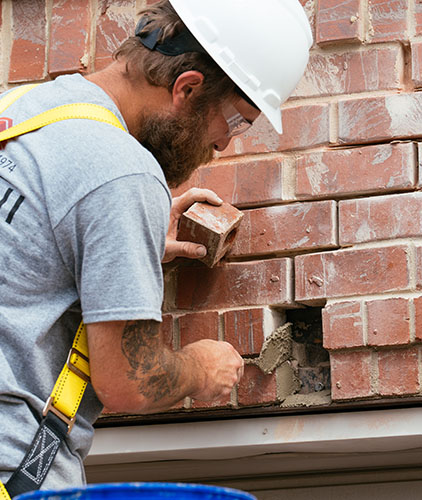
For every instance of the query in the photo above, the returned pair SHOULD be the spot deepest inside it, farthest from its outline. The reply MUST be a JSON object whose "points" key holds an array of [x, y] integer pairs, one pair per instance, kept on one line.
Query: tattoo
{"points": [[153, 367]]}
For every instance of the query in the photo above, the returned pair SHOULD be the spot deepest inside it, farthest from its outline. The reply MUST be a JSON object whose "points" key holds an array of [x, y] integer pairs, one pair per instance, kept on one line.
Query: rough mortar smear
{"points": [[306, 400], [276, 349]]}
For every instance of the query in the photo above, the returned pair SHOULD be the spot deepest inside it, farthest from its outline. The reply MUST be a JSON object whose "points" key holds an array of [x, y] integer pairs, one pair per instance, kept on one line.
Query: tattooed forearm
{"points": [[136, 335], [155, 370]]}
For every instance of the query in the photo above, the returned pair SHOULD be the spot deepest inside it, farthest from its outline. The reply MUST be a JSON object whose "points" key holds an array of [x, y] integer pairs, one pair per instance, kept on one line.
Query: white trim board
{"points": [[376, 431]]}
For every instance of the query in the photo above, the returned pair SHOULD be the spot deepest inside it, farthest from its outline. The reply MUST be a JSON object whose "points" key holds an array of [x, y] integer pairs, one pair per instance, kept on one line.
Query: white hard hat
{"points": [[262, 46]]}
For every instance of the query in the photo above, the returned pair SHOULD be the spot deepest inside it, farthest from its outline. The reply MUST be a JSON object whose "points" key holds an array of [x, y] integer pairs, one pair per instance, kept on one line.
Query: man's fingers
{"points": [[184, 249], [183, 202]]}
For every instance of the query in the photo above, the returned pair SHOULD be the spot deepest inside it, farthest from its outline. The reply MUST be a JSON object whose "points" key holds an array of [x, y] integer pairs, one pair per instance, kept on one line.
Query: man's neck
{"points": [[131, 99]]}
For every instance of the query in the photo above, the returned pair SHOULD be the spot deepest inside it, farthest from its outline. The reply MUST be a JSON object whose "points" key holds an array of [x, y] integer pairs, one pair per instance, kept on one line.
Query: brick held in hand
{"points": [[215, 227]]}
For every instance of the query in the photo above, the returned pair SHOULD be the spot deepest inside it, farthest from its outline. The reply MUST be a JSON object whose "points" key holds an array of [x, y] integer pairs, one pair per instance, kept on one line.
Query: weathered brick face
{"points": [[331, 207]]}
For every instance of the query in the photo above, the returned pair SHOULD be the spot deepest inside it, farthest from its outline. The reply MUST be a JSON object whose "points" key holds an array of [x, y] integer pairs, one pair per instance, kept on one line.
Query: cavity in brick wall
{"points": [[309, 358]]}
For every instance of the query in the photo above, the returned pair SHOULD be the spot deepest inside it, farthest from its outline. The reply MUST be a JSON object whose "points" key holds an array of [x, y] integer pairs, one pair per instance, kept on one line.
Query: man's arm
{"points": [[132, 370]]}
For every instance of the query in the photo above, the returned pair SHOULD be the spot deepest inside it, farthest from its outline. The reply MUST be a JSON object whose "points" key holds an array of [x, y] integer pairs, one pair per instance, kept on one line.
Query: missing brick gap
{"points": [[295, 351]]}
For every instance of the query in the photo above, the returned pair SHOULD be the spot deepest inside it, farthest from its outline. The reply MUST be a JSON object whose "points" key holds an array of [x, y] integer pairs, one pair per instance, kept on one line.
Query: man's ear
{"points": [[185, 86]]}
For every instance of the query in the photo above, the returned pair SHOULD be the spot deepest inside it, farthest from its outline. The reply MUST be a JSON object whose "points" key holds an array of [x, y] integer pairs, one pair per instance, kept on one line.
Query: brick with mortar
{"points": [[244, 329], [303, 226], [304, 126], [418, 265], [380, 218], [373, 119], [398, 372], [115, 23], [388, 20], [198, 326], [246, 183], [337, 21], [167, 330], [233, 285], [256, 388], [28, 57], [418, 18], [371, 169], [416, 49], [343, 325], [337, 73], [351, 272], [351, 374], [70, 21], [417, 302], [388, 322]]}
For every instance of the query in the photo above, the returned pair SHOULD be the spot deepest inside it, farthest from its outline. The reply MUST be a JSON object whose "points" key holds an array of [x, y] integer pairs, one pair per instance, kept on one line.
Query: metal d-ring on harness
{"points": [[60, 409]]}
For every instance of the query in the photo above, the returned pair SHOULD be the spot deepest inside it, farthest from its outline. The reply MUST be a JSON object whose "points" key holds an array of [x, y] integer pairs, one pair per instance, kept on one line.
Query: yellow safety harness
{"points": [[60, 409]]}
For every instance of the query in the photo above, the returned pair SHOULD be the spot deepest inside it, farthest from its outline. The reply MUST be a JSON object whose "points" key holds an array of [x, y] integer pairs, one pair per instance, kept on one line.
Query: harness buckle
{"points": [[86, 378], [49, 407]]}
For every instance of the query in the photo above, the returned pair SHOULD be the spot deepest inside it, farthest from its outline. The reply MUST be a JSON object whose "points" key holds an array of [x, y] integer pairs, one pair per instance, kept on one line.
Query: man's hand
{"points": [[219, 368], [180, 204]]}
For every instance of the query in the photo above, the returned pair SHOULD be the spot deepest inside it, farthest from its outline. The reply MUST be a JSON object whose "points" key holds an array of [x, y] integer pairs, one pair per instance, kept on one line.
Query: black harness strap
{"points": [[35, 465]]}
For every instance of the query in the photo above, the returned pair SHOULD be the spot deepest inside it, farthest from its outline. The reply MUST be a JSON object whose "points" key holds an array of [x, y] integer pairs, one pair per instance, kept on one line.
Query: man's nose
{"points": [[222, 143]]}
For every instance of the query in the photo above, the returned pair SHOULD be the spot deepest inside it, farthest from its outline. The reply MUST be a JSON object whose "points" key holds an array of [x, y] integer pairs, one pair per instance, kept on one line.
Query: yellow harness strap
{"points": [[70, 386], [60, 113], [3, 492]]}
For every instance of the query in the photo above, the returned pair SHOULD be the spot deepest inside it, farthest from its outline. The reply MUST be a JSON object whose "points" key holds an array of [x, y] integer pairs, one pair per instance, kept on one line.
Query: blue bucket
{"points": [[150, 491]]}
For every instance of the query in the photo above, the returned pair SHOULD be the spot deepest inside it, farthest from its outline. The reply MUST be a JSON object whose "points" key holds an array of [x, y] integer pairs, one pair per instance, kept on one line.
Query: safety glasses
{"points": [[237, 123]]}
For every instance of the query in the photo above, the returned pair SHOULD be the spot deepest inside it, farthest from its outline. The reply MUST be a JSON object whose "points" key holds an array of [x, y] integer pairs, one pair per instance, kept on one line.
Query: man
{"points": [[89, 234]]}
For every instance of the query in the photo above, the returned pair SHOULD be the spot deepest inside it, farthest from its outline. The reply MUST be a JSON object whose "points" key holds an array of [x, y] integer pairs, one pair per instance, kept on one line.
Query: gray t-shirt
{"points": [[84, 211]]}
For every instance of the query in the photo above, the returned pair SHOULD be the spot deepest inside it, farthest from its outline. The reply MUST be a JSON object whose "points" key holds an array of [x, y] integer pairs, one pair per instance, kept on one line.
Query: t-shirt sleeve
{"points": [[112, 242]]}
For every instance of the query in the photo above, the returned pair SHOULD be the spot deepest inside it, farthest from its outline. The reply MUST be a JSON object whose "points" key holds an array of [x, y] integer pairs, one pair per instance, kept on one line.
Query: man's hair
{"points": [[161, 70]]}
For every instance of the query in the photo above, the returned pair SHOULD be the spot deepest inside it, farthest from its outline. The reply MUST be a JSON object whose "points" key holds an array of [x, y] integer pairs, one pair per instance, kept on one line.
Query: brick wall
{"points": [[332, 207], [332, 216]]}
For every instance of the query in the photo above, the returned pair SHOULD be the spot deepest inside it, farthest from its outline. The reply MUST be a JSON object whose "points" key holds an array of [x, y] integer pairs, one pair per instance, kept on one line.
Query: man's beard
{"points": [[177, 142]]}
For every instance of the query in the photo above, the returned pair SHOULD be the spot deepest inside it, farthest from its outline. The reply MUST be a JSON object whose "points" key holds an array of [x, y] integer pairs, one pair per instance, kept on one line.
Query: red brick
{"points": [[337, 20], [244, 329], [371, 169], [198, 326], [342, 325], [215, 227], [388, 20], [218, 403], [69, 36], [303, 126], [28, 57], [256, 388], [388, 322], [116, 22], [418, 17], [309, 7], [418, 266], [255, 283], [167, 330], [303, 226], [351, 375], [351, 272], [352, 72], [380, 118], [416, 49], [398, 372], [243, 183], [418, 318], [380, 218]]}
